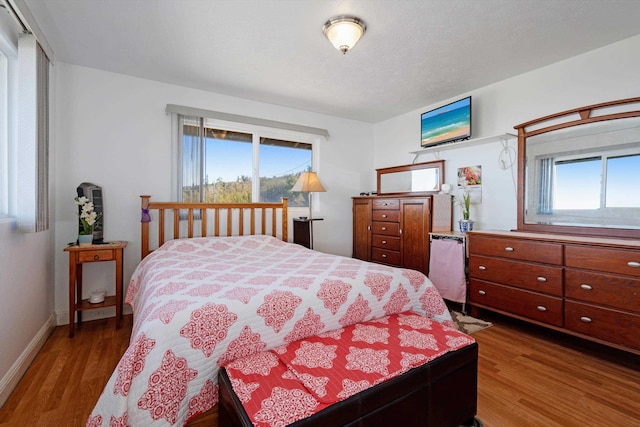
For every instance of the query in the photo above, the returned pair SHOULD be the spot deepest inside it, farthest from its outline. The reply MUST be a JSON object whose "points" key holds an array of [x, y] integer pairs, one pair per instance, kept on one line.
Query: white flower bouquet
{"points": [[88, 215]]}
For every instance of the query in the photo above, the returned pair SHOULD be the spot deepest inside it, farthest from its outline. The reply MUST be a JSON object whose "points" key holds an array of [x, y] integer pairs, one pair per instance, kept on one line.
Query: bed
{"points": [[227, 284]]}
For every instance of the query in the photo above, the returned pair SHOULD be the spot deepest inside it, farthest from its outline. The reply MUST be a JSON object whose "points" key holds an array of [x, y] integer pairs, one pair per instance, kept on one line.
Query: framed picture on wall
{"points": [[470, 177]]}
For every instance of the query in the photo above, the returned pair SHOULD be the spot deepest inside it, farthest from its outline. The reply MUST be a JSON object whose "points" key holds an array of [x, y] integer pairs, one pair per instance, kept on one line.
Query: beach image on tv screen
{"points": [[450, 122]]}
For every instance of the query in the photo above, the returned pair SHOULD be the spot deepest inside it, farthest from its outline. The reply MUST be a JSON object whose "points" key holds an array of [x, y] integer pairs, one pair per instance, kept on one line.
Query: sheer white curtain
{"points": [[190, 134], [545, 187], [33, 136]]}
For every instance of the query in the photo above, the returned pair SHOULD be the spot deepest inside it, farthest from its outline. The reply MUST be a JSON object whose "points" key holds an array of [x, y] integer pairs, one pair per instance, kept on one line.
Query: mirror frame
{"points": [[587, 114], [438, 164]]}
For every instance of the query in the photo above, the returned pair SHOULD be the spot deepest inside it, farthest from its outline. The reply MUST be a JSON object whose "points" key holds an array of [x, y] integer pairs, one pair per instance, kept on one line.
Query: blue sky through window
{"points": [[228, 160]]}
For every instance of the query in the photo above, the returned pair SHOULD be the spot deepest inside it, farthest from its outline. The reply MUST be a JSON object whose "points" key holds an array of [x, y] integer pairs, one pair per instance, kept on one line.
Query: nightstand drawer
{"points": [[95, 256]]}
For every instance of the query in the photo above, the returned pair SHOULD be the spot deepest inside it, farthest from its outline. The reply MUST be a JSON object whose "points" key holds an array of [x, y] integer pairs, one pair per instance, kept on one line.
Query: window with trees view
{"points": [[230, 166]]}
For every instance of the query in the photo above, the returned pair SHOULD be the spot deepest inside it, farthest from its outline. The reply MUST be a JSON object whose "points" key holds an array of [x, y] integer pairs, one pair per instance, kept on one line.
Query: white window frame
{"points": [[8, 126], [257, 132], [603, 157]]}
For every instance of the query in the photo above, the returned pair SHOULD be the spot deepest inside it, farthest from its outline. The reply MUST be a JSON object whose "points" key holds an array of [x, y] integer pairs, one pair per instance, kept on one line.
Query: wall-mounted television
{"points": [[449, 123]]}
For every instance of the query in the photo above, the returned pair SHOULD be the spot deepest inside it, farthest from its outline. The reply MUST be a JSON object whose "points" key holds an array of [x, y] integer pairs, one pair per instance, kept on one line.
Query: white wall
{"points": [[113, 131], [26, 302], [605, 74]]}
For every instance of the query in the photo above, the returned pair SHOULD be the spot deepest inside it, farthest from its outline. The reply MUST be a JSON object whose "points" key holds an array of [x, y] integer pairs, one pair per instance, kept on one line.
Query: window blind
{"points": [[198, 112]]}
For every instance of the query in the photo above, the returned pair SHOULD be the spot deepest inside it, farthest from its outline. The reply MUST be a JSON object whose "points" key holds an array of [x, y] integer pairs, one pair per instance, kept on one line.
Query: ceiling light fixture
{"points": [[344, 31]]}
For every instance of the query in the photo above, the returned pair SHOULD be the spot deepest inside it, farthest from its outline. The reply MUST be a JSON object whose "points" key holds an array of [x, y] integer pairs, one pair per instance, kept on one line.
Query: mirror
{"points": [[417, 178], [578, 176]]}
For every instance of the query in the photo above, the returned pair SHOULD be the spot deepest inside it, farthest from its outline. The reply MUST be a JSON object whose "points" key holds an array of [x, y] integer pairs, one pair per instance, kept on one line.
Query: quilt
{"points": [[297, 380], [201, 303]]}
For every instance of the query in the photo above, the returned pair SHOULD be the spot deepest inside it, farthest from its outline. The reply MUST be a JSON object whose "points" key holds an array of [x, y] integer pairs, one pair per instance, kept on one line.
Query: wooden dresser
{"points": [[588, 287], [392, 230]]}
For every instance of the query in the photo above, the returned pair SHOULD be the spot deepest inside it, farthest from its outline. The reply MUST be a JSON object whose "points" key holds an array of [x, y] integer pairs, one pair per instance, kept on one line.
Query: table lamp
{"points": [[309, 182]]}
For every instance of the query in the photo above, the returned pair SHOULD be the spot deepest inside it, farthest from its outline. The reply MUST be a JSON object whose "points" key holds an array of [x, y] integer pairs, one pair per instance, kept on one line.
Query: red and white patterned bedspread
{"points": [[299, 379], [200, 303]]}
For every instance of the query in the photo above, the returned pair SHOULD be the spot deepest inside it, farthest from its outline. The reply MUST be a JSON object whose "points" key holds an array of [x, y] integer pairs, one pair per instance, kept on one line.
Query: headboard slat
{"points": [[160, 228], [203, 224], [176, 223], [235, 222]]}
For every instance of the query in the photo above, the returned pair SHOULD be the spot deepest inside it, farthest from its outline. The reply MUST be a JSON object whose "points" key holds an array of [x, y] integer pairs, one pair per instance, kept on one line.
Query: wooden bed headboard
{"points": [[263, 219]]}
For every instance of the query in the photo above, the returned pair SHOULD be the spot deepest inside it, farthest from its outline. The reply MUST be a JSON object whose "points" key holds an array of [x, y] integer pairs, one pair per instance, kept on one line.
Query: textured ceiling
{"points": [[414, 53]]}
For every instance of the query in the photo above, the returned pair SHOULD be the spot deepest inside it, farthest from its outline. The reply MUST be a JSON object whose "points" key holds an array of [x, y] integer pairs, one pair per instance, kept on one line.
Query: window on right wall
{"points": [[599, 182]]}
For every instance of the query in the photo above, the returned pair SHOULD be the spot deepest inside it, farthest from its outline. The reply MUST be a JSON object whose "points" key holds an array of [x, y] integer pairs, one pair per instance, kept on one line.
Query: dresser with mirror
{"points": [[392, 227], [573, 263]]}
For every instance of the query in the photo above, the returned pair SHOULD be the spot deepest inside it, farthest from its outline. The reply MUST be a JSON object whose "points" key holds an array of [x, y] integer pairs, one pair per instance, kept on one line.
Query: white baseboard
{"points": [[9, 382]]}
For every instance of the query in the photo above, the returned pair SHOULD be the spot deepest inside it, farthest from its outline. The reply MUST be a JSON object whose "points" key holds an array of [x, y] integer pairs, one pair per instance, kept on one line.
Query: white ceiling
{"points": [[414, 53]]}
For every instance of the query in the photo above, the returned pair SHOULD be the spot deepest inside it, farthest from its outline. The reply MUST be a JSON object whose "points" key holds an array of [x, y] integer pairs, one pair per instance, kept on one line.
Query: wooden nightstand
{"points": [[78, 255], [303, 231]]}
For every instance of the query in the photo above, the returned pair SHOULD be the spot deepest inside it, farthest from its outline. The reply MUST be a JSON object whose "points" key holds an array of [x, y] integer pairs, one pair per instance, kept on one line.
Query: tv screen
{"points": [[451, 122]]}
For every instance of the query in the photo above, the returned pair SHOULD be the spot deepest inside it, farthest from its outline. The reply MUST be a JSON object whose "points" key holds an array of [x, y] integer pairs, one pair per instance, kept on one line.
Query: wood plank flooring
{"points": [[527, 376]]}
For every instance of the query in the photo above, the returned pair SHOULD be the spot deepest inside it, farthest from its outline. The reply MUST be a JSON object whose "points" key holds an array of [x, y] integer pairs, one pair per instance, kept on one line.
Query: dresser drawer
{"points": [[385, 256], [531, 305], [535, 277], [385, 242], [603, 289], [606, 324], [386, 204], [609, 260], [524, 250], [385, 228], [386, 215], [95, 256]]}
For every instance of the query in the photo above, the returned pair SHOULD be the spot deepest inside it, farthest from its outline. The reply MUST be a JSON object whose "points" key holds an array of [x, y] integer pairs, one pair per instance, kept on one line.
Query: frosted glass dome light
{"points": [[344, 32]]}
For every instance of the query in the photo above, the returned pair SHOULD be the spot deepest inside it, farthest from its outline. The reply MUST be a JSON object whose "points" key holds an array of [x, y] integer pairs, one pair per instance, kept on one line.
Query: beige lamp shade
{"points": [[310, 182]]}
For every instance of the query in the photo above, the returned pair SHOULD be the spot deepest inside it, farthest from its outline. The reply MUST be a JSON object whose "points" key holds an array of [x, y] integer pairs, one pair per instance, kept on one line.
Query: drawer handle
{"points": [[541, 308], [541, 279], [586, 287], [384, 228], [384, 242], [384, 204], [585, 319], [384, 255], [482, 267], [384, 216], [482, 292], [96, 257], [508, 249], [633, 264]]}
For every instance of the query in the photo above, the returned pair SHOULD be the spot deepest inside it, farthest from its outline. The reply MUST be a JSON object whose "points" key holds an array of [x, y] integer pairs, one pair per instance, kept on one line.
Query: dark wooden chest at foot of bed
{"points": [[439, 393]]}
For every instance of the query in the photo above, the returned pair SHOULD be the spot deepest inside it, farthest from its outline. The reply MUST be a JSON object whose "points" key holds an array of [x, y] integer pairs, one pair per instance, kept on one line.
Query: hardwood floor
{"points": [[531, 376], [527, 376]]}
